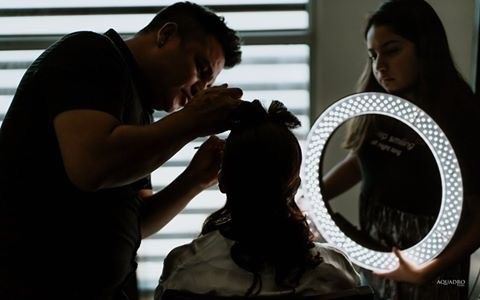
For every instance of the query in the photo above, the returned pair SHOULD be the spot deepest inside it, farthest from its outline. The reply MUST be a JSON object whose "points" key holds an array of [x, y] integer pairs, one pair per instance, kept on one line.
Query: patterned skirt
{"points": [[392, 227]]}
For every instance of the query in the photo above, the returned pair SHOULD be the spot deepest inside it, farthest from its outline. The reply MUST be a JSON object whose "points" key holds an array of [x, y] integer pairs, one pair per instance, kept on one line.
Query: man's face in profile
{"points": [[189, 66]]}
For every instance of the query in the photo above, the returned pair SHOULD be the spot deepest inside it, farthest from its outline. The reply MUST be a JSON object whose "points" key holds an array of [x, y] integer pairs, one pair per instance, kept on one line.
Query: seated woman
{"points": [[259, 243]]}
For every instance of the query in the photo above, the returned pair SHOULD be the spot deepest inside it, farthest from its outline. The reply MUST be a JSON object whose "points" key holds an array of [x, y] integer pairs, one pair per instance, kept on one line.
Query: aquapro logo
{"points": [[457, 282]]}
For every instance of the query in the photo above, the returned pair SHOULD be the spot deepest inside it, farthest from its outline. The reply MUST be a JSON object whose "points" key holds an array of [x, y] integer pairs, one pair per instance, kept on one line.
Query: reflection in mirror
{"points": [[379, 176]]}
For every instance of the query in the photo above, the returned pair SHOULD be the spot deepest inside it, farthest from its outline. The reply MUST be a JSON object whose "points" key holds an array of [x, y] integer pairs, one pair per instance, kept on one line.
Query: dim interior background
{"points": [[306, 54]]}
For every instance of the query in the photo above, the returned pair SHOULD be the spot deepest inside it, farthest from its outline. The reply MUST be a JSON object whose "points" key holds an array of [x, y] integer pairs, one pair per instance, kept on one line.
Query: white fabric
{"points": [[205, 266]]}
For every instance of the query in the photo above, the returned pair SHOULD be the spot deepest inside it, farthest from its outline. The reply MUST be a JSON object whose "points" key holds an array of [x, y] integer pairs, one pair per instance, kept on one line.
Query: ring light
{"points": [[452, 189]]}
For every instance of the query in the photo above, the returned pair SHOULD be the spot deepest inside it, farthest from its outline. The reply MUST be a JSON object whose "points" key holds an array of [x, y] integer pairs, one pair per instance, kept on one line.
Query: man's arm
{"points": [[200, 174], [100, 152]]}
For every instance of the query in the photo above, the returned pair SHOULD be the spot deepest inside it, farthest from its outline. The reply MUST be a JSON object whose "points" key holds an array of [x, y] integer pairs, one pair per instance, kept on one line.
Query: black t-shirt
{"points": [[398, 169], [52, 235], [410, 180]]}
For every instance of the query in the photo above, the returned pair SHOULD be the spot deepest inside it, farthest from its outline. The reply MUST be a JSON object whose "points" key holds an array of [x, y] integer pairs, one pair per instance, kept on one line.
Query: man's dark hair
{"points": [[191, 19]]}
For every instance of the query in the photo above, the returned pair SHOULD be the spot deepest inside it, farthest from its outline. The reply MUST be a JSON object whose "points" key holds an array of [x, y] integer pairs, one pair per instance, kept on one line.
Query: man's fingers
{"points": [[211, 140], [235, 92], [214, 142], [225, 90], [223, 85]]}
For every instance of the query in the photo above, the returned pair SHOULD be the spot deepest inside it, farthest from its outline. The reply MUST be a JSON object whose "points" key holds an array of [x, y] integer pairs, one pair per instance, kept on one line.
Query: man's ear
{"points": [[165, 33], [221, 182]]}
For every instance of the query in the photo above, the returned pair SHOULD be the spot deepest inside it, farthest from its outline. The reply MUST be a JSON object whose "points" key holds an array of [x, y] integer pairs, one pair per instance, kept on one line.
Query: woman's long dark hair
{"points": [[260, 173], [440, 86]]}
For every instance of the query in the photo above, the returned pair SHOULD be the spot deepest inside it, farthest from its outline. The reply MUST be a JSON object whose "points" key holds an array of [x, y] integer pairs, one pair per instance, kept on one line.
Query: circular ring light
{"points": [[452, 189]]}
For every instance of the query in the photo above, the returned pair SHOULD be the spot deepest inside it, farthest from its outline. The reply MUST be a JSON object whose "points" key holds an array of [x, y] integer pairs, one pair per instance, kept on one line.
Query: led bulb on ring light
{"points": [[379, 103]]}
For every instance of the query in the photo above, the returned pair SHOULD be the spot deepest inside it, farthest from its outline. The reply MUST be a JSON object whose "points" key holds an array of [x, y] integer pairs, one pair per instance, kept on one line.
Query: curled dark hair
{"points": [[260, 175], [192, 19]]}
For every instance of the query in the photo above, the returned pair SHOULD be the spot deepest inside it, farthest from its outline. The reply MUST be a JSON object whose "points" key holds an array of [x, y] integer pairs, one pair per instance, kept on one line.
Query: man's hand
{"points": [[201, 173], [210, 109], [406, 271], [206, 162]]}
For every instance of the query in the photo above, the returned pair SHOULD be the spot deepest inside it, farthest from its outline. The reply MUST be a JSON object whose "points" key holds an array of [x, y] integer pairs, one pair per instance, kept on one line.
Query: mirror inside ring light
{"points": [[451, 180]]}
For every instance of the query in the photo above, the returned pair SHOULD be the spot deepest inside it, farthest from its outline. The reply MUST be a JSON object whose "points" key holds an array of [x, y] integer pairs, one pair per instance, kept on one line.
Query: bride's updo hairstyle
{"points": [[260, 176]]}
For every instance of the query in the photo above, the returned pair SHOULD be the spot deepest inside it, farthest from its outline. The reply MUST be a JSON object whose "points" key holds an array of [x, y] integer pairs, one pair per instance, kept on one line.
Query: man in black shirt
{"points": [[79, 142]]}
